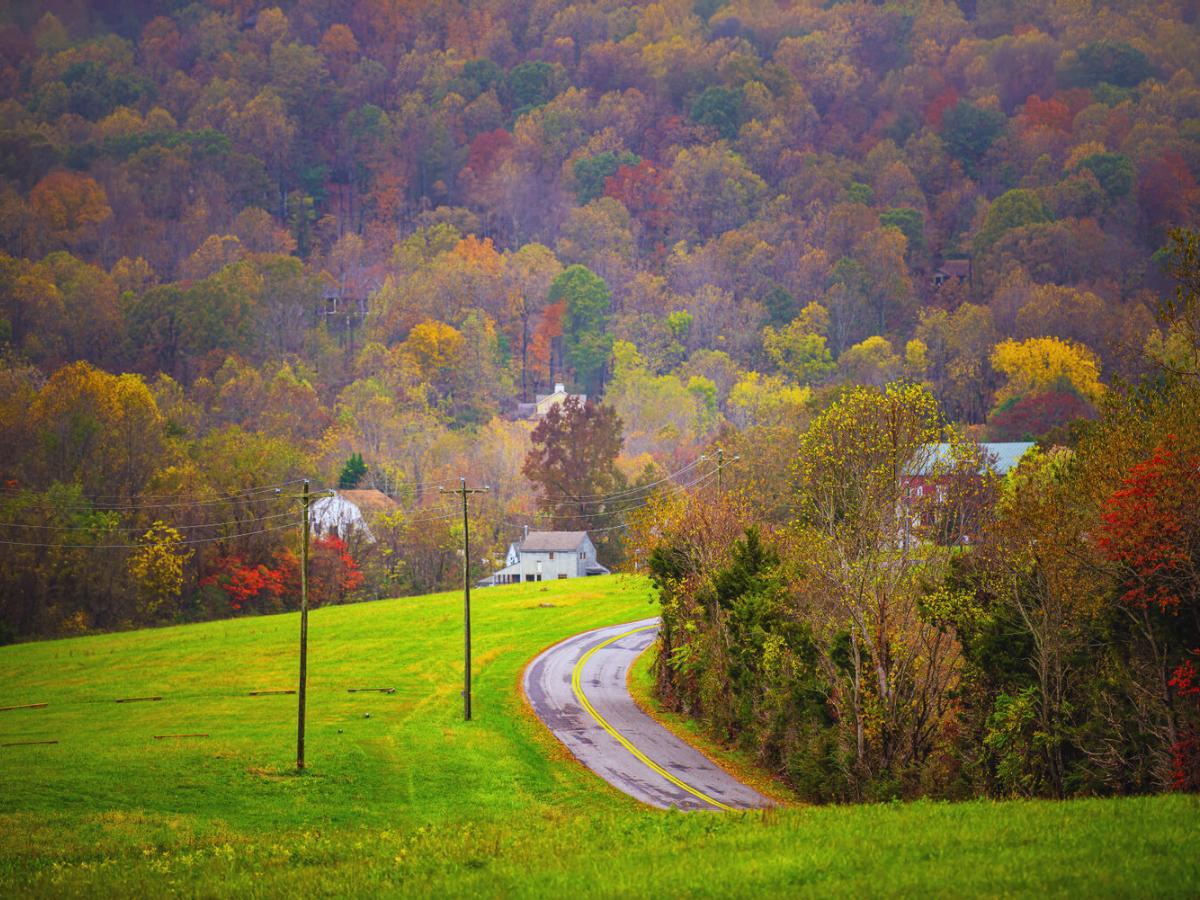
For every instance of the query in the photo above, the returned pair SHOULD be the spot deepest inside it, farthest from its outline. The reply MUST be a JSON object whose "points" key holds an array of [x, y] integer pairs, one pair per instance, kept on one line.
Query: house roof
{"points": [[370, 500], [554, 541], [958, 268], [542, 398], [1001, 457], [1005, 455]]}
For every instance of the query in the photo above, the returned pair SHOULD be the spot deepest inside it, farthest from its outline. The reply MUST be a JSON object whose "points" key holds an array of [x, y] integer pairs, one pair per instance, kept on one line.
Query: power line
{"points": [[594, 499], [249, 496], [698, 482], [208, 540], [108, 499], [142, 528]]}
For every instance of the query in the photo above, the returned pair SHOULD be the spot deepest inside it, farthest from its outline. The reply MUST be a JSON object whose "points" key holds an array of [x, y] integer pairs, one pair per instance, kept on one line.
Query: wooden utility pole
{"points": [[721, 466], [304, 497], [464, 490]]}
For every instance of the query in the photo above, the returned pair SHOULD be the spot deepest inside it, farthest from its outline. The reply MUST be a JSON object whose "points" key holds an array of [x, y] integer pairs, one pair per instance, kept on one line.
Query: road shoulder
{"points": [[737, 763]]}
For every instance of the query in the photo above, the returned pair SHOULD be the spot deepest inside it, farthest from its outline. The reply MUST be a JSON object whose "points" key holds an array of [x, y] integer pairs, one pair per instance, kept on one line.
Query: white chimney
{"points": [[559, 388]]}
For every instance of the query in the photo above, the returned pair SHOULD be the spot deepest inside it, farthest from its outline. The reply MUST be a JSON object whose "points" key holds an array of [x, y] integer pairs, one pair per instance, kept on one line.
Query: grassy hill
{"points": [[414, 800]]}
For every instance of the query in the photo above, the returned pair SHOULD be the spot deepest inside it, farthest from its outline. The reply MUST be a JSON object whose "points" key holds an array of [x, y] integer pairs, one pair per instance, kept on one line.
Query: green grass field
{"points": [[413, 800]]}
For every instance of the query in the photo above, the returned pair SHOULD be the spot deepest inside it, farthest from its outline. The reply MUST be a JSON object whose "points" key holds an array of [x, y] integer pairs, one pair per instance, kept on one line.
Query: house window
{"points": [[552, 554], [562, 574]]}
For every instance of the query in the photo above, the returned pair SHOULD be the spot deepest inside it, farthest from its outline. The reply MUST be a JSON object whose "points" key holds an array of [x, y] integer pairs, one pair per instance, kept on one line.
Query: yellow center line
{"points": [[577, 687]]}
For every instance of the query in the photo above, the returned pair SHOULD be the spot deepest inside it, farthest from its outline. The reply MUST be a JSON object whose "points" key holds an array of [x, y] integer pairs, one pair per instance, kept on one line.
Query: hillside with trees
{"points": [[242, 245]]}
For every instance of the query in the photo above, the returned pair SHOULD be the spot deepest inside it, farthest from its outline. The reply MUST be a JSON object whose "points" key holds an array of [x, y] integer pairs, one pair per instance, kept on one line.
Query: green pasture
{"points": [[412, 800]]}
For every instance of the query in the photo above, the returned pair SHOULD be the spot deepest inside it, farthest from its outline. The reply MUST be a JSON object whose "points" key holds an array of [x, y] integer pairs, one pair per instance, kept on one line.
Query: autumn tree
{"points": [[67, 208], [157, 567], [858, 522], [1038, 364], [798, 352], [1151, 530], [1048, 594], [572, 463], [587, 341]]}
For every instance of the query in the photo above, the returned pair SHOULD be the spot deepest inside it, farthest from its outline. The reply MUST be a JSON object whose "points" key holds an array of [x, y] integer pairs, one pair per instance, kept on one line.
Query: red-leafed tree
{"points": [[487, 151], [1151, 531], [1028, 418], [1167, 190], [643, 191], [253, 587], [1053, 113], [936, 109]]}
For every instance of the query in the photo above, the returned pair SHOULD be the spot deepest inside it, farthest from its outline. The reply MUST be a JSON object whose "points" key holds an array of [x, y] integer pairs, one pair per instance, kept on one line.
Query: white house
{"points": [[547, 555], [543, 403], [346, 512]]}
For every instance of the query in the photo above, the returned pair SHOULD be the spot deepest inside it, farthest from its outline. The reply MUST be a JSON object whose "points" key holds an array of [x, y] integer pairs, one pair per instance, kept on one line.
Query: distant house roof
{"points": [[1005, 455], [1001, 457], [560, 390], [543, 403], [553, 541], [956, 268], [370, 500]]}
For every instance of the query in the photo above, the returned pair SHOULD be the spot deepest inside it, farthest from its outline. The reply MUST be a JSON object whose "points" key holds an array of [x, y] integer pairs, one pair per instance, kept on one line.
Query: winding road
{"points": [[577, 688]]}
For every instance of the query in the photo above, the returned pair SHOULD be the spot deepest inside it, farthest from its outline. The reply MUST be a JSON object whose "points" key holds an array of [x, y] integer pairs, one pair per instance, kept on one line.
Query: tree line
{"points": [[882, 615]]}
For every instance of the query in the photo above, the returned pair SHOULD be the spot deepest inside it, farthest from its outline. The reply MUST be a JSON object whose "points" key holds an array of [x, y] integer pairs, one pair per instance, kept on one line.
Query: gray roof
{"points": [[555, 541], [1001, 457], [1005, 456], [959, 268]]}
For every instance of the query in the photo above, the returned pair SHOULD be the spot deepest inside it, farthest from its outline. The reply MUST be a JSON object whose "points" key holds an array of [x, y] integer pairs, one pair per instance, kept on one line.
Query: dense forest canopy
{"points": [[242, 244]]}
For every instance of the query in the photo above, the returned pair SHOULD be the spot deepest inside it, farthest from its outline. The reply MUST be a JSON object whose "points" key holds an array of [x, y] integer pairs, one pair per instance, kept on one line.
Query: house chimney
{"points": [[559, 388], [526, 532]]}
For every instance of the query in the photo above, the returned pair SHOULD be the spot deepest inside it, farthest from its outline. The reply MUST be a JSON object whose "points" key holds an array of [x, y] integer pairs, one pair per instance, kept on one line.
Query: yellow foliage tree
{"points": [[1038, 364], [157, 568], [434, 347]]}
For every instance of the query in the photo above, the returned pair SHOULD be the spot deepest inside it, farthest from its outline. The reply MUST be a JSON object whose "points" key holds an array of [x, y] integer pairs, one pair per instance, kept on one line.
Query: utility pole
{"points": [[721, 465], [464, 490], [305, 499]]}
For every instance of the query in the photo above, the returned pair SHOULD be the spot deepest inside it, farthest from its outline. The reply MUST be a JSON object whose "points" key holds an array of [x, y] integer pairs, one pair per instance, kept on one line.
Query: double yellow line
{"points": [[577, 687]]}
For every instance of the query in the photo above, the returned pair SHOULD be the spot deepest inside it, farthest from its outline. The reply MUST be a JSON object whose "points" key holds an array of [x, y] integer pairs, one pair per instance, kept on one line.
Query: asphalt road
{"points": [[577, 688]]}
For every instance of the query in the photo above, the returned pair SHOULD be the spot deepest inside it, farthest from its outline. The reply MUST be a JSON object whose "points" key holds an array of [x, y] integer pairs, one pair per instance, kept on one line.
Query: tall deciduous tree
{"points": [[573, 462], [868, 538], [587, 341]]}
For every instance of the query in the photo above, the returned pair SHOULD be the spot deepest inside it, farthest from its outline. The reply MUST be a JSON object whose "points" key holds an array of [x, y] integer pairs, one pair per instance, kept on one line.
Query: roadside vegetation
{"points": [[873, 612]]}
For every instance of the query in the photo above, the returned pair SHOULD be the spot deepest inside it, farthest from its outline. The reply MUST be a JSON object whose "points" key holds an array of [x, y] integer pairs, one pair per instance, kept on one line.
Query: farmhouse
{"points": [[997, 457], [546, 555], [347, 512], [925, 491]]}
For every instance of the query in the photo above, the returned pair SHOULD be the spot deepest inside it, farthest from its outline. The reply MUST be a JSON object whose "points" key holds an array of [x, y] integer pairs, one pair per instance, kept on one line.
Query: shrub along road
{"points": [[578, 689]]}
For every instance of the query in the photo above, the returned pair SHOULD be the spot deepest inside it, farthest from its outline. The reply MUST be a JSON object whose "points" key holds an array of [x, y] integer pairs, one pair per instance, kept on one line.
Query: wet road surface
{"points": [[577, 688]]}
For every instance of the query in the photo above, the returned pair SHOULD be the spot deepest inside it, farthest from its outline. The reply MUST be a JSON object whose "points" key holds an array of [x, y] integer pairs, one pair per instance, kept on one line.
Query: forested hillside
{"points": [[245, 244]]}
